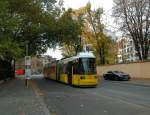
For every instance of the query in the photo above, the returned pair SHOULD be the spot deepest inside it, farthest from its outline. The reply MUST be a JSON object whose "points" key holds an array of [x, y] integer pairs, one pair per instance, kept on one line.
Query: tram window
{"points": [[85, 66], [64, 68], [61, 68], [78, 67], [69, 68], [92, 65], [75, 68]]}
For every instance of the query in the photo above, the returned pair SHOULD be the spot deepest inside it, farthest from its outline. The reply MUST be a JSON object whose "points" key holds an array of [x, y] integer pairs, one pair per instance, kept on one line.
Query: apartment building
{"points": [[126, 50], [39, 61]]}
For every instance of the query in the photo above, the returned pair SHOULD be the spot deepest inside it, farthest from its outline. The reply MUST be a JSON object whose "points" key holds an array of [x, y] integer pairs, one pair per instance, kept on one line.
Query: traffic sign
{"points": [[27, 60], [27, 67]]}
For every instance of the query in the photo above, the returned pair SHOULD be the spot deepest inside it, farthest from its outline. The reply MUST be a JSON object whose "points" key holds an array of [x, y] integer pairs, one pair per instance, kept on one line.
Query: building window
{"points": [[128, 50], [131, 49]]}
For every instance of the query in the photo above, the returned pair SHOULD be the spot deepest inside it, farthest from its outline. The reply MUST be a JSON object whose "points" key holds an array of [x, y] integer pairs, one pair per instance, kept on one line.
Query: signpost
{"points": [[27, 69]]}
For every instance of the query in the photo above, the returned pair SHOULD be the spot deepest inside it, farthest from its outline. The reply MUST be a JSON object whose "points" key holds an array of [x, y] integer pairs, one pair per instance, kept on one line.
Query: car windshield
{"points": [[118, 72], [109, 72]]}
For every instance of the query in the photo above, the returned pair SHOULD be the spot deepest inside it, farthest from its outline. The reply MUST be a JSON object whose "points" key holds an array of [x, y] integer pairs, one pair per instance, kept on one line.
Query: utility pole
{"points": [[27, 64], [27, 53]]}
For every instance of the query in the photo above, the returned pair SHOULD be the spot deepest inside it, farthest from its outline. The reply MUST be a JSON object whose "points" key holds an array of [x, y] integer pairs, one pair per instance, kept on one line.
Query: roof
{"points": [[79, 55]]}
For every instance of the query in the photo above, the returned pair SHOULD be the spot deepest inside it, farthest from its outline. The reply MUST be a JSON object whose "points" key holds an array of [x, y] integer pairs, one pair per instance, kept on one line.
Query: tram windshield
{"points": [[85, 66]]}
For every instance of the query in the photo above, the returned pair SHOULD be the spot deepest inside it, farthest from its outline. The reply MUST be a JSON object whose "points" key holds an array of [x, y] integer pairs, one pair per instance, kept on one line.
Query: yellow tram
{"points": [[78, 70]]}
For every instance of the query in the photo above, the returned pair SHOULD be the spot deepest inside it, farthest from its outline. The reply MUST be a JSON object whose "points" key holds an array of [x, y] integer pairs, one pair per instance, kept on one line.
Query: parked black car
{"points": [[116, 75]]}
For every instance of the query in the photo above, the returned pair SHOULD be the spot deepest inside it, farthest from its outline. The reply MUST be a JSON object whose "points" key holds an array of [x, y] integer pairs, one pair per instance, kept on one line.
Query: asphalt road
{"points": [[108, 98]]}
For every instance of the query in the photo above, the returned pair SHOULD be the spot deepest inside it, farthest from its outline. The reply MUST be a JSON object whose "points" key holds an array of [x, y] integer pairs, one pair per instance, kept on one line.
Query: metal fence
{"points": [[6, 69]]}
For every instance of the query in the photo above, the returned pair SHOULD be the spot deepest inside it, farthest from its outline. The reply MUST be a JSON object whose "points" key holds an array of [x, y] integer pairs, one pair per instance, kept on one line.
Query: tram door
{"points": [[58, 70], [69, 74]]}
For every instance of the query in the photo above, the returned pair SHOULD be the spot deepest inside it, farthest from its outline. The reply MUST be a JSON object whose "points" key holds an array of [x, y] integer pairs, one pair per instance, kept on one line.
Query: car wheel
{"points": [[105, 78]]}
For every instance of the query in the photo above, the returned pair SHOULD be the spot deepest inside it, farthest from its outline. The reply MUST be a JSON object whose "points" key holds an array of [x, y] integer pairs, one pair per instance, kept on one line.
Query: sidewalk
{"points": [[16, 99]]}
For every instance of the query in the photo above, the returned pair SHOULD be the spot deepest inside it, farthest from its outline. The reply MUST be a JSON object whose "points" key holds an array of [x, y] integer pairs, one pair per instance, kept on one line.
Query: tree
{"points": [[94, 32], [70, 30], [9, 49], [133, 17], [68, 50], [29, 20], [8, 24], [40, 23]]}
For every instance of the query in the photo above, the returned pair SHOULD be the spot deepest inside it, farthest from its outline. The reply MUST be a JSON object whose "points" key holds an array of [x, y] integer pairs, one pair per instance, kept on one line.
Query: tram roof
{"points": [[79, 55]]}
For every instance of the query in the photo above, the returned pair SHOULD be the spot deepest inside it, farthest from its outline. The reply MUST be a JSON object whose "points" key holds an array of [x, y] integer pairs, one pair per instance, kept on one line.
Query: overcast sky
{"points": [[75, 4], [106, 4]]}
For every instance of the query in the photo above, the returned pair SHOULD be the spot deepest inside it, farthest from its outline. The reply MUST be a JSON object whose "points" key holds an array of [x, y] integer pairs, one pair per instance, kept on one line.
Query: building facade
{"points": [[126, 50], [39, 61]]}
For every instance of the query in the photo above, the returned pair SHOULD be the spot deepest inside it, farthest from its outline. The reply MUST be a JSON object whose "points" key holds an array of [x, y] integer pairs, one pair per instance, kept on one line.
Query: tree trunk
{"points": [[146, 49], [100, 56], [139, 53], [103, 54]]}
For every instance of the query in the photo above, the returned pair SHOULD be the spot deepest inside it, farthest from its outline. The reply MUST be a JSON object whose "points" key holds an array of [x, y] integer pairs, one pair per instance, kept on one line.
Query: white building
{"points": [[126, 50], [110, 33]]}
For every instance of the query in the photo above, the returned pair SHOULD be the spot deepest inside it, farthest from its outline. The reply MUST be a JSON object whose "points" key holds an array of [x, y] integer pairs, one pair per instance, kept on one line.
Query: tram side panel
{"points": [[45, 72], [62, 73], [50, 71]]}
